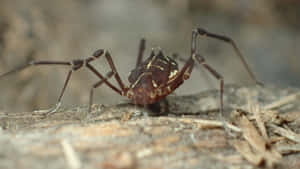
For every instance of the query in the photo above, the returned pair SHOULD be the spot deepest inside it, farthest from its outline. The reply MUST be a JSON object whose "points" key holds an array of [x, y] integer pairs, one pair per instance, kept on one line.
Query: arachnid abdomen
{"points": [[149, 81]]}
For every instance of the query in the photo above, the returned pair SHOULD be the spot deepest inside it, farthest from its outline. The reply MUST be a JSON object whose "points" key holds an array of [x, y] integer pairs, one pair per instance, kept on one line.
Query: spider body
{"points": [[151, 80]]}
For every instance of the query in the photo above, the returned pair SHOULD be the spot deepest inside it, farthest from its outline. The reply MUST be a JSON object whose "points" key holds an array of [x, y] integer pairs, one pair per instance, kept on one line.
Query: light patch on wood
{"points": [[104, 129], [245, 150], [286, 133], [70, 155]]}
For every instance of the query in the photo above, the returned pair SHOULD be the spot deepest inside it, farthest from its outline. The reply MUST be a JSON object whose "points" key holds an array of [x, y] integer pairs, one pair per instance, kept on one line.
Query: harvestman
{"points": [[151, 80]]}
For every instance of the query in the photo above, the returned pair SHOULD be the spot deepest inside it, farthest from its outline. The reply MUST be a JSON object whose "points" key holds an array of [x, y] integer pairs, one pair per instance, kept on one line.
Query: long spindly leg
{"points": [[36, 63], [142, 47], [217, 75], [58, 103], [176, 56], [74, 65], [108, 76], [116, 74], [187, 69], [95, 71], [203, 32]]}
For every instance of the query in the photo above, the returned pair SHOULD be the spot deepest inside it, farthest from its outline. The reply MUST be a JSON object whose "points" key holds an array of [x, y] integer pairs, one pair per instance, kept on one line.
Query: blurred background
{"points": [[267, 33]]}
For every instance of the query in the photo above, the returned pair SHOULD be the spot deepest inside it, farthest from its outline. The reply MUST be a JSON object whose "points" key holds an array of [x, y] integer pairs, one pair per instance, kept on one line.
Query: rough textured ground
{"points": [[190, 135]]}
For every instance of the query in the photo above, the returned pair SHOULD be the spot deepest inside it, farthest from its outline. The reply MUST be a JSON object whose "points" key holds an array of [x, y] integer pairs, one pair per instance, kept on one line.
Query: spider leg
{"points": [[33, 63], [141, 52], [75, 65], [217, 75], [203, 32], [99, 83], [184, 74], [196, 57], [95, 71], [188, 68], [58, 103], [116, 74], [36, 63], [176, 56]]}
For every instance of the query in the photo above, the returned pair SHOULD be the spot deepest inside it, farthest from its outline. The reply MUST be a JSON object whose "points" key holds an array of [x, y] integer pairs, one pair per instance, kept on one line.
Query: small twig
{"points": [[258, 118], [288, 148], [245, 150], [286, 133], [70, 155], [18, 115], [204, 123], [251, 135], [282, 101], [258, 143]]}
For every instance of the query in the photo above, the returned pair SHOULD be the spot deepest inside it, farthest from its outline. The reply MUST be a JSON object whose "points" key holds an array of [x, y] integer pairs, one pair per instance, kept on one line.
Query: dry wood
{"points": [[70, 155], [282, 101], [258, 143], [202, 123], [122, 136], [286, 133], [245, 150]]}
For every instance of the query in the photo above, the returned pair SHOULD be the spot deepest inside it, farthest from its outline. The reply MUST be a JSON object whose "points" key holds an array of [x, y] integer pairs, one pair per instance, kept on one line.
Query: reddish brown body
{"points": [[153, 79]]}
